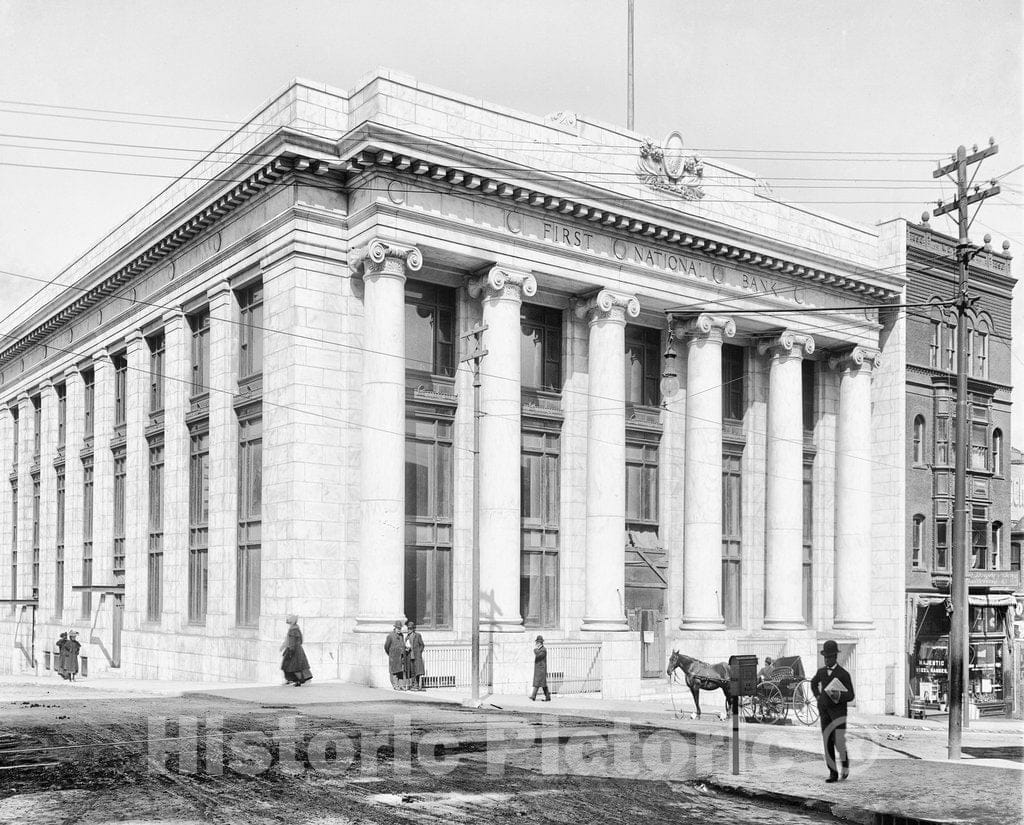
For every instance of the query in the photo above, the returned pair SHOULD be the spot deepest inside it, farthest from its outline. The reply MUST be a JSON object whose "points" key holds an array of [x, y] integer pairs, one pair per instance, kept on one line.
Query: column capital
{"points": [[134, 339], [607, 305], [218, 290], [856, 358], [380, 257], [46, 385], [787, 343], [705, 325], [172, 317], [101, 356], [501, 282], [71, 373], [23, 398]]}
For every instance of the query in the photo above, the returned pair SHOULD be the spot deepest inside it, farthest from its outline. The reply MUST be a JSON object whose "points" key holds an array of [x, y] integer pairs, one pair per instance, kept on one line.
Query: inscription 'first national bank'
{"points": [[598, 244]]}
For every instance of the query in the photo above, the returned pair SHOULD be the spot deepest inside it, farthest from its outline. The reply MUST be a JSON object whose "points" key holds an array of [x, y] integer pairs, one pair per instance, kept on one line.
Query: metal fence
{"points": [[574, 667], [451, 666]]}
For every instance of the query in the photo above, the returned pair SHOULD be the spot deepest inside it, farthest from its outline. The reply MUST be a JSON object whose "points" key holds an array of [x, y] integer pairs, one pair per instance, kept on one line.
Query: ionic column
{"points": [[103, 470], [853, 489], [73, 491], [501, 293], [606, 458], [702, 485], [176, 468], [382, 558], [48, 500], [26, 434], [784, 482]]}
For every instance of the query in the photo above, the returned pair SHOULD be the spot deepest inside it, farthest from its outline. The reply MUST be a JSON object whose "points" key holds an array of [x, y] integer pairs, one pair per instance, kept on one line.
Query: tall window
{"points": [[950, 349], [1015, 555], [997, 451], [979, 446], [120, 390], [200, 326], [250, 515], [198, 525], [14, 539], [429, 328], [58, 605], [979, 538], [155, 567], [809, 393], [641, 482], [37, 428], [540, 489], [733, 375], [996, 547], [935, 348], [808, 542], [541, 348], [120, 477], [88, 492], [15, 434], [89, 401], [62, 415], [250, 338], [917, 541], [643, 365], [35, 530], [979, 349], [941, 544], [919, 440], [428, 521], [157, 350], [732, 539], [943, 455]]}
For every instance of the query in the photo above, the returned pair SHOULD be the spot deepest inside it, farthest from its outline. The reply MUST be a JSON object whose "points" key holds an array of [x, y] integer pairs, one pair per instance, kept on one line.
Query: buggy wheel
{"points": [[805, 706], [773, 706]]}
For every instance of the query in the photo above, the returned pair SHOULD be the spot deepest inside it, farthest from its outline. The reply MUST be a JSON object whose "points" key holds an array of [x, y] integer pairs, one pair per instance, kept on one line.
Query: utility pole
{"points": [[957, 660], [473, 341], [629, 70]]}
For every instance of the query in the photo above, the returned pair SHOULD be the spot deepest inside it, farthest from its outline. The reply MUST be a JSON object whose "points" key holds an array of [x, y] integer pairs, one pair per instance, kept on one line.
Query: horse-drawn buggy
{"points": [[784, 688]]}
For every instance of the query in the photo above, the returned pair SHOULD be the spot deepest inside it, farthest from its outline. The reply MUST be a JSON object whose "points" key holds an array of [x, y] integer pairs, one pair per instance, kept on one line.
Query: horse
{"points": [[702, 676]]}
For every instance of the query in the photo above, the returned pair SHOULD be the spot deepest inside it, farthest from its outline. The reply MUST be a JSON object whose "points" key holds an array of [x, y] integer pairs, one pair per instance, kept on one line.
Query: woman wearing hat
{"points": [[540, 670], [833, 687], [62, 656], [71, 655], [294, 662]]}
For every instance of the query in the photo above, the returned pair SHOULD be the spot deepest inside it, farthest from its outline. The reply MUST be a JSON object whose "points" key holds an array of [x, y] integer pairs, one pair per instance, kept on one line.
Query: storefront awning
{"points": [[974, 600]]}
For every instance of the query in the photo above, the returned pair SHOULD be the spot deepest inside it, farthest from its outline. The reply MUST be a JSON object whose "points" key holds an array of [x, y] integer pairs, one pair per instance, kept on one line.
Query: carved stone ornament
{"points": [[856, 358], [499, 282], [562, 118], [787, 343], [666, 168], [705, 325], [385, 257], [608, 305]]}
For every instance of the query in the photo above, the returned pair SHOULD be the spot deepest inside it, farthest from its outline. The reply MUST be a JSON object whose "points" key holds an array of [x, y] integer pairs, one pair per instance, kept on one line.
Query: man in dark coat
{"points": [[394, 646], [71, 650], [62, 656], [833, 688], [414, 668], [540, 670]]}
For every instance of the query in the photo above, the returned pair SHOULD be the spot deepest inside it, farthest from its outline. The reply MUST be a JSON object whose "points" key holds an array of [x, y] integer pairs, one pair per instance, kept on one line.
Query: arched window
{"points": [[917, 541], [996, 547], [997, 451], [919, 440], [979, 351], [949, 364]]}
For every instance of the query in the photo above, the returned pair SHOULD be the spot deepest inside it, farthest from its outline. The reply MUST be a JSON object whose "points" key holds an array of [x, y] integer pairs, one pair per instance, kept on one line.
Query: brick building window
{"points": [[643, 366], [250, 514], [250, 339], [941, 561], [429, 486], [539, 480], [155, 555], [917, 541], [919, 440], [997, 451], [198, 524], [429, 328]]}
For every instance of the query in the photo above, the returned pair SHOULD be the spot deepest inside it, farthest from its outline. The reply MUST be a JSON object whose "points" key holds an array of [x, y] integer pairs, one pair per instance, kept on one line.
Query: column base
{"points": [[376, 624], [797, 623], [502, 625], [611, 624], [702, 623], [853, 624]]}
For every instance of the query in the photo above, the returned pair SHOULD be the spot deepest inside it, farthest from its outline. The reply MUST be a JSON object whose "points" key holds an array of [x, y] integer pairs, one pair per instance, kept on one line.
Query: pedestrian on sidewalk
{"points": [[833, 688], [71, 661], [414, 668], [294, 662], [765, 673], [394, 646], [61, 665], [540, 670]]}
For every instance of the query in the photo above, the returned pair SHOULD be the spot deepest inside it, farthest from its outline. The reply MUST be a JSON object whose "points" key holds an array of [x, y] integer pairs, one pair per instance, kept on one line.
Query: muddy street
{"points": [[198, 759]]}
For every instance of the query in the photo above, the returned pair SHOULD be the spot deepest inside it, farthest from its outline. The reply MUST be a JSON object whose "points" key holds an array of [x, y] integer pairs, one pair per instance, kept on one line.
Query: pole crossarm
{"points": [[952, 206], [968, 159]]}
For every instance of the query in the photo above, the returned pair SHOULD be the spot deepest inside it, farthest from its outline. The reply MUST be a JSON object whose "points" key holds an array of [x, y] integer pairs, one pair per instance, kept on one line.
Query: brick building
{"points": [[994, 574], [249, 402]]}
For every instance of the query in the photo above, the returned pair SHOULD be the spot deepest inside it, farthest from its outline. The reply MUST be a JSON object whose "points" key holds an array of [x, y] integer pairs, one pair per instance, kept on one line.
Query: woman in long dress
{"points": [[62, 656], [294, 662], [72, 648]]}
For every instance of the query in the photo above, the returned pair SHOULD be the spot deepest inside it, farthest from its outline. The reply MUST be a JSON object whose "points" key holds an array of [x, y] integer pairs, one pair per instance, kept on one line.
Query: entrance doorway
{"points": [[645, 609]]}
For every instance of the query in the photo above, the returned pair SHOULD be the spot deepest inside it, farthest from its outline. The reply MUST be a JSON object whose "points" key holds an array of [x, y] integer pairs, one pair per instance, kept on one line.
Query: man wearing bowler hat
{"points": [[833, 688]]}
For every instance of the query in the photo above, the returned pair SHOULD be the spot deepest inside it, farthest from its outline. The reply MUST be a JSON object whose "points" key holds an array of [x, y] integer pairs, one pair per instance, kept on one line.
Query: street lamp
{"points": [[670, 370]]}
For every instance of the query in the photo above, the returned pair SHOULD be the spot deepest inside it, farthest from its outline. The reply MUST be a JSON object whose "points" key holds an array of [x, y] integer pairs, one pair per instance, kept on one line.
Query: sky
{"points": [[846, 106]]}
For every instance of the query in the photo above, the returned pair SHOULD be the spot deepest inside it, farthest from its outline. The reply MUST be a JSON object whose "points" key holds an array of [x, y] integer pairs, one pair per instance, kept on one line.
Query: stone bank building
{"points": [[252, 400]]}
